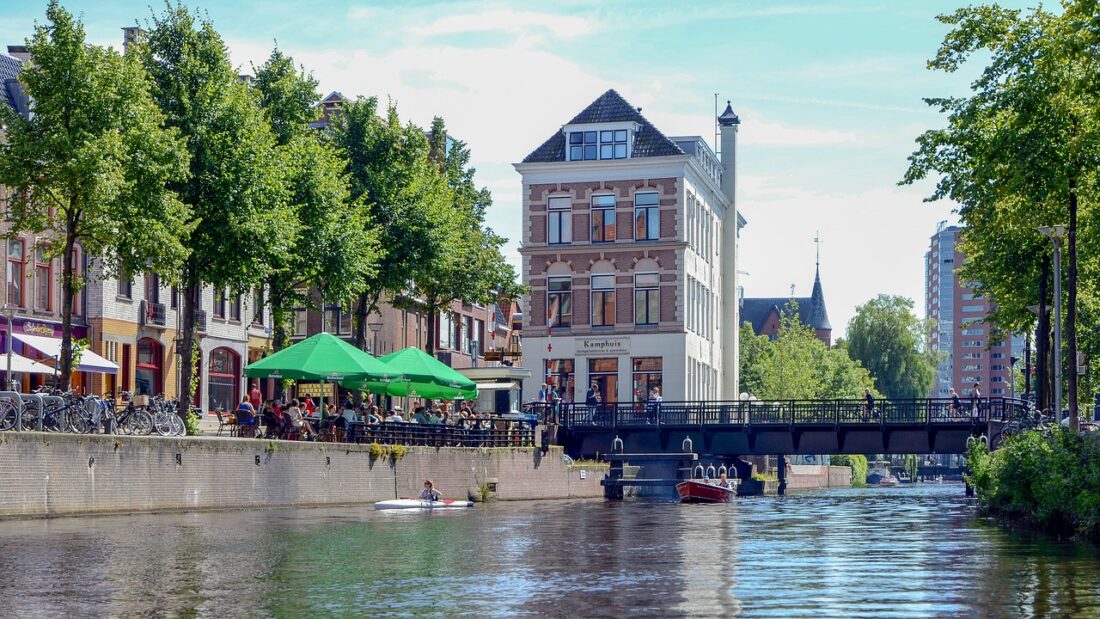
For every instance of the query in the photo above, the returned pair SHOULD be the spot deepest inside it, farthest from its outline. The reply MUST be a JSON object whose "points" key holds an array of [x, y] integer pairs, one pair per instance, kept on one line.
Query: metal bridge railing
{"points": [[932, 411]]}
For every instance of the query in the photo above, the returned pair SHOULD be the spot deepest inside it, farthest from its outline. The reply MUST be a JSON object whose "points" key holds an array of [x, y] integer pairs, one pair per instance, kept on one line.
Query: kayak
{"points": [[420, 504]]}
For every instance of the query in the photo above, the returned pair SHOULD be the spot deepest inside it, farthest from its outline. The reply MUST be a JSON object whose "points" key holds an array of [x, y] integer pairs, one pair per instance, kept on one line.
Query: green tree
{"points": [[470, 267], [887, 339], [334, 252], [1021, 151], [796, 365], [403, 193], [242, 223], [91, 163]]}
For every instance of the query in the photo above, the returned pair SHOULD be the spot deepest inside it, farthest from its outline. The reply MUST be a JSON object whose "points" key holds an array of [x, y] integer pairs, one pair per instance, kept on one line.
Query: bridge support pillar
{"points": [[614, 490], [782, 466]]}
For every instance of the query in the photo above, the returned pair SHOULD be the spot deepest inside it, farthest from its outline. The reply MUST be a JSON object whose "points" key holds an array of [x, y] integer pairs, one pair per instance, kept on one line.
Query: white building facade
{"points": [[629, 248]]}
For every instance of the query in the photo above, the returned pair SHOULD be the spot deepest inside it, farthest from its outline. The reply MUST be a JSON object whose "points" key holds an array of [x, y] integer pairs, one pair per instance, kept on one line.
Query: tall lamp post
{"points": [[8, 311], [1056, 234]]}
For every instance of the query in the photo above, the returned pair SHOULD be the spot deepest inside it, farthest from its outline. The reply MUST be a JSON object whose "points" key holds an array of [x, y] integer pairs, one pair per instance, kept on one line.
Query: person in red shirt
{"points": [[309, 404], [255, 397]]}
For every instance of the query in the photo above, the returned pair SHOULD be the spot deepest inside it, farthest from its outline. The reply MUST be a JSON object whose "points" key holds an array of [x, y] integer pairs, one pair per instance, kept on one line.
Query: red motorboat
{"points": [[701, 492]]}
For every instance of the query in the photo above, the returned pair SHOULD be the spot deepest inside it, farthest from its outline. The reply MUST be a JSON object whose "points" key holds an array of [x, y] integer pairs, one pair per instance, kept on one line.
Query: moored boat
{"points": [[421, 504], [692, 491]]}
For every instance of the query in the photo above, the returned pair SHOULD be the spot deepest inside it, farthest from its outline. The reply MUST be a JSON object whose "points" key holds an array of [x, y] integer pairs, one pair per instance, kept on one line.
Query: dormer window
{"points": [[602, 144]]}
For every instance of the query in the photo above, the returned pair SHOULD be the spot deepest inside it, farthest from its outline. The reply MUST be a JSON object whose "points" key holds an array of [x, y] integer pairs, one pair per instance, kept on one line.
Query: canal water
{"points": [[900, 552]]}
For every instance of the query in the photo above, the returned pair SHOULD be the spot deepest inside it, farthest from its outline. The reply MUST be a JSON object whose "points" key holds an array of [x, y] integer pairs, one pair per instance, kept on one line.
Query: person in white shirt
{"points": [[395, 415]]}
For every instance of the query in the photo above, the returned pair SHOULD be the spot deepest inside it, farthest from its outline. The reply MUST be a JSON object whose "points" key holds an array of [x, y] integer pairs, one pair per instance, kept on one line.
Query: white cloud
{"points": [[873, 242], [512, 22]]}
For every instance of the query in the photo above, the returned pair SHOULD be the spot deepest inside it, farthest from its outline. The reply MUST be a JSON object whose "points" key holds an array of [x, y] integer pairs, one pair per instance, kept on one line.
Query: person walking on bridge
{"points": [[975, 401], [870, 402]]}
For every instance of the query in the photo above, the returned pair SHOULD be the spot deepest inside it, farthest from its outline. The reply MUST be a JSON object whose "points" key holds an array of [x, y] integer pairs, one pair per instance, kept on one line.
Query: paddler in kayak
{"points": [[429, 493]]}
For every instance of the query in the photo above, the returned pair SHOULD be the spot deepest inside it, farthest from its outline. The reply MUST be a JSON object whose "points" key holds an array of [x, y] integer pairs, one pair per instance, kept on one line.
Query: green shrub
{"points": [[859, 468], [1048, 479]]}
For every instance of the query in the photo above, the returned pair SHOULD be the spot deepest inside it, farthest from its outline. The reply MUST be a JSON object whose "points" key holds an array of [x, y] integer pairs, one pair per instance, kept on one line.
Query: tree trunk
{"points": [[1071, 308], [432, 313], [361, 310], [187, 342], [276, 300], [1042, 338], [65, 363]]}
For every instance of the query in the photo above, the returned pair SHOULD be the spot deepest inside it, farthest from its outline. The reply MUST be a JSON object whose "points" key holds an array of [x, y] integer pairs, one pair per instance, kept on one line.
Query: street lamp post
{"points": [[1056, 234], [8, 311]]}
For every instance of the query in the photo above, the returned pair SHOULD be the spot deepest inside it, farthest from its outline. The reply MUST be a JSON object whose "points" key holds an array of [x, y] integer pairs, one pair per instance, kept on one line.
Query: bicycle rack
{"points": [[14, 395], [34, 399]]}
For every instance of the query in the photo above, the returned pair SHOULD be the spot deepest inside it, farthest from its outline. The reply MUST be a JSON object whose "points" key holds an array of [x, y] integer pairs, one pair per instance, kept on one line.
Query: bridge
{"points": [[790, 427]]}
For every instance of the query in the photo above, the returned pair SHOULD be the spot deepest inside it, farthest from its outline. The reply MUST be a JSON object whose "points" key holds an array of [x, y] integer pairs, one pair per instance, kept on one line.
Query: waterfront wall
{"points": [[806, 476], [61, 474]]}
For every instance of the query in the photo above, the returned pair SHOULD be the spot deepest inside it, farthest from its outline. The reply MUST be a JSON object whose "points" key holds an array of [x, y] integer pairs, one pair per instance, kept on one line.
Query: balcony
{"points": [[153, 314]]}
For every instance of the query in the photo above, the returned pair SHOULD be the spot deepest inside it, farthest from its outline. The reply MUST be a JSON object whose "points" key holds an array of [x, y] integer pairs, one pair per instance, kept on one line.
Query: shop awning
{"points": [[19, 363], [51, 347]]}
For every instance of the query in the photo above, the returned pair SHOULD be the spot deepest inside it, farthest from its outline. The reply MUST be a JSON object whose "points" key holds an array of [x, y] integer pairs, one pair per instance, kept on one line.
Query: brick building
{"points": [[764, 313], [629, 247], [974, 352]]}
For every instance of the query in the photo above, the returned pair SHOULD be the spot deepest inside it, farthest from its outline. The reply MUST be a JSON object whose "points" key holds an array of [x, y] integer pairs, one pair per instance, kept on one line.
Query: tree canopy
{"points": [[334, 251], [796, 365], [91, 164], [1021, 151], [886, 338], [236, 191]]}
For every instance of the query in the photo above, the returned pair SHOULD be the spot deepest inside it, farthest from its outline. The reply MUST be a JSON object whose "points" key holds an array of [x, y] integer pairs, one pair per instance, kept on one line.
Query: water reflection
{"points": [[909, 552]]}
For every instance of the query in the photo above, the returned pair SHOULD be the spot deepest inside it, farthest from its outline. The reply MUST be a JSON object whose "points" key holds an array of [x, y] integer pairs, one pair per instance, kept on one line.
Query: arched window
{"points": [[223, 384], [149, 377]]}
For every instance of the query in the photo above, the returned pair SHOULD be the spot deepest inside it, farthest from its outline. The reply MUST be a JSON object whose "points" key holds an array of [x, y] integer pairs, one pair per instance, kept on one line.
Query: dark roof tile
{"points": [[608, 108]]}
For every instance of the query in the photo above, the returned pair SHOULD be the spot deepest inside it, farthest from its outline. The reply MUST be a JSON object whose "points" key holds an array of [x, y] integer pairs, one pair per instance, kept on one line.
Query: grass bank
{"points": [[1044, 479]]}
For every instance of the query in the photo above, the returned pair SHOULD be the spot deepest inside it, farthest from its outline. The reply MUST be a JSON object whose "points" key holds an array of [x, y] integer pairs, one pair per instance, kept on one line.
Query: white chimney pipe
{"points": [[731, 306]]}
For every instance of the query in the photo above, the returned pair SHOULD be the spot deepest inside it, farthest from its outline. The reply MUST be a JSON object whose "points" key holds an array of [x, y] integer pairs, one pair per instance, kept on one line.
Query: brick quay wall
{"points": [[66, 474]]}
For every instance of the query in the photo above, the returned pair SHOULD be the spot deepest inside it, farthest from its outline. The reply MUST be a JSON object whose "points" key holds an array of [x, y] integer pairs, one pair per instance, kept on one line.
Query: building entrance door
{"points": [[605, 373]]}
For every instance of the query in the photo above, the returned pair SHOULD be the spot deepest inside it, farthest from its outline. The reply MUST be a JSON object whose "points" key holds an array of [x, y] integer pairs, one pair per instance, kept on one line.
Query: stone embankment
{"points": [[63, 474]]}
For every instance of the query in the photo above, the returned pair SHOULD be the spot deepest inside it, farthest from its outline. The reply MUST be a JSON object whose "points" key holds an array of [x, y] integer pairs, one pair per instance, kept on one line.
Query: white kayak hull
{"points": [[419, 504]]}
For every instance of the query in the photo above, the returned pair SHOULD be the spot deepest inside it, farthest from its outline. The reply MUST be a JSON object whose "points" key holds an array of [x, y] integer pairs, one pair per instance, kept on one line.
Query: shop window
{"points": [[604, 373], [148, 377], [647, 376], [560, 373], [223, 384]]}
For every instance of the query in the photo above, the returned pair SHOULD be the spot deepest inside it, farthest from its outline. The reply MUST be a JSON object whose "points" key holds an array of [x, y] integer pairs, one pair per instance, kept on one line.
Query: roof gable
{"points": [[608, 108]]}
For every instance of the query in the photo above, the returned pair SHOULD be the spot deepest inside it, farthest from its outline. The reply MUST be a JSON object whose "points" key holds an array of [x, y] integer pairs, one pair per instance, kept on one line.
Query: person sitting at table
{"points": [[429, 493], [394, 415], [268, 417], [420, 415], [297, 421], [373, 416], [246, 417]]}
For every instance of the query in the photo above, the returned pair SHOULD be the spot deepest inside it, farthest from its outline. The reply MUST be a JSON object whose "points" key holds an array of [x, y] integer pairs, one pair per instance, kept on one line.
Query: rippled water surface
{"points": [[903, 552]]}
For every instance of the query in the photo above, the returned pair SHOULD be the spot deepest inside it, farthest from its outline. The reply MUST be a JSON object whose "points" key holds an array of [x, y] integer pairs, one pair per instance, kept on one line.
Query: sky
{"points": [[829, 95]]}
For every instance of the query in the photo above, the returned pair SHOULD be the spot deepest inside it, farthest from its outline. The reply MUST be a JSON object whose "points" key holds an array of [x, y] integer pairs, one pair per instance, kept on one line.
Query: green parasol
{"points": [[323, 357], [423, 374]]}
